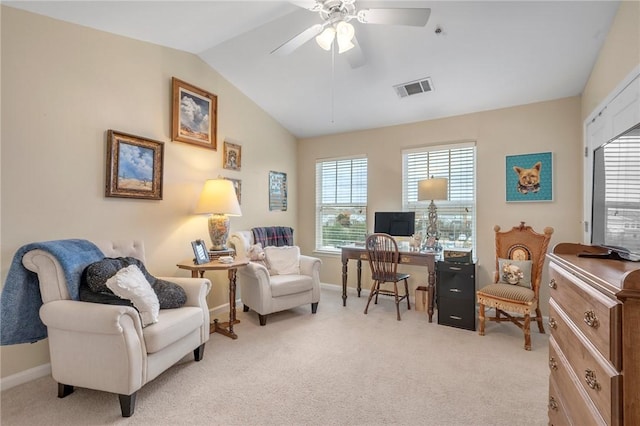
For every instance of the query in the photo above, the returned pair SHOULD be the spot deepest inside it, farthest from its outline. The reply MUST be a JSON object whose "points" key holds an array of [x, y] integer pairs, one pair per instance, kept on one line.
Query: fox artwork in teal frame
{"points": [[529, 177]]}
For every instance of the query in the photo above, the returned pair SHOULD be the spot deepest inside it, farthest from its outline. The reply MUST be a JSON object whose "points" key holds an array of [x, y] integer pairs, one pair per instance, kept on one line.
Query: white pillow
{"points": [[283, 260], [130, 283]]}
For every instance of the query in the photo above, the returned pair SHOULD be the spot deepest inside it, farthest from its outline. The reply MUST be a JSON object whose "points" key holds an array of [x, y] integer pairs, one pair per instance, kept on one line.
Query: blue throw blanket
{"points": [[21, 300]]}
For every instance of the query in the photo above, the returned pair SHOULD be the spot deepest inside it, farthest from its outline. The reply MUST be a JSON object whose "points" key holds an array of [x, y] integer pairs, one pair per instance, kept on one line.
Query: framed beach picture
{"points": [[232, 156], [277, 191], [134, 166], [194, 115], [529, 177]]}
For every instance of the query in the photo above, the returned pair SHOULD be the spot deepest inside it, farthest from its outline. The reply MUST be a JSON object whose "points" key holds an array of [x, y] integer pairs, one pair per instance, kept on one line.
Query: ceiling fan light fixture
{"points": [[345, 33], [325, 39]]}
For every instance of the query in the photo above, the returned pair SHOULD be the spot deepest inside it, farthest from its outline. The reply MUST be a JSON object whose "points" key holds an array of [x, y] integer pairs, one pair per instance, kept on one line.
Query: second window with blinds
{"points": [[341, 202], [457, 214]]}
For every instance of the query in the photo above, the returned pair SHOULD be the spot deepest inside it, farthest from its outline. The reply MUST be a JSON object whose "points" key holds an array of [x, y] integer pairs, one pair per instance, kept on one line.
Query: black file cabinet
{"points": [[456, 294]]}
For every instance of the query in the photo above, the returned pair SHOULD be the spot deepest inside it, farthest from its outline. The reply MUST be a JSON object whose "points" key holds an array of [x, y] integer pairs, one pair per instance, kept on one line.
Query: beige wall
{"points": [[619, 55], [63, 86], [548, 126]]}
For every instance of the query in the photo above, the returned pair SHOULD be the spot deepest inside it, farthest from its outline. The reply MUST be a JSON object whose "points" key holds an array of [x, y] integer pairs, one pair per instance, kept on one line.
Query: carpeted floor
{"points": [[338, 367]]}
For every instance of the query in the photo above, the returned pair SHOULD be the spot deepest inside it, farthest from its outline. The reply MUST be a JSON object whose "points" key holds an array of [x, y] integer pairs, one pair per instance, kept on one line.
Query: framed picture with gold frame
{"points": [[232, 156], [134, 166], [194, 115]]}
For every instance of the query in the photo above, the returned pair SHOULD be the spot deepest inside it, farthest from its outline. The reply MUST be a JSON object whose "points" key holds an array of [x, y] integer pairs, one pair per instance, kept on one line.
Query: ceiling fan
{"points": [[335, 26]]}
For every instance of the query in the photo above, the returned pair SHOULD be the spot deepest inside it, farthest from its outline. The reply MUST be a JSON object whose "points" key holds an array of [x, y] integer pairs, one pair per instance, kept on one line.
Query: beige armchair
{"points": [[265, 293], [104, 347]]}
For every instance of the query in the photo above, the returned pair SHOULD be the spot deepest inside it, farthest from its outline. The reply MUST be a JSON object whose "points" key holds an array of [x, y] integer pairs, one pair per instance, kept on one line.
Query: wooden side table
{"points": [[225, 328]]}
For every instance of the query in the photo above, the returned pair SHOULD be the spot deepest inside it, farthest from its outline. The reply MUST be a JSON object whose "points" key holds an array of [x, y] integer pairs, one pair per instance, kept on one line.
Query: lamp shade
{"points": [[325, 39], [219, 196], [433, 189]]}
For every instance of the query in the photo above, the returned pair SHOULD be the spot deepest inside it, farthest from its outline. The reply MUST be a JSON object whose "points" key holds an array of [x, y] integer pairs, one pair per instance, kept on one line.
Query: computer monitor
{"points": [[397, 224]]}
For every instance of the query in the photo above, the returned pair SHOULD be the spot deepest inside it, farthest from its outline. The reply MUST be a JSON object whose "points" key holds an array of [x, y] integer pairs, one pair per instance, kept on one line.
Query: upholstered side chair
{"points": [[264, 291], [520, 256], [104, 347]]}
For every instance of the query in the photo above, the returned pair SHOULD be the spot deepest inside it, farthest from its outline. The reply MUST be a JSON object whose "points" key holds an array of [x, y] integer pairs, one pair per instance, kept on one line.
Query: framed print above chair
{"points": [[134, 166], [194, 115], [529, 177]]}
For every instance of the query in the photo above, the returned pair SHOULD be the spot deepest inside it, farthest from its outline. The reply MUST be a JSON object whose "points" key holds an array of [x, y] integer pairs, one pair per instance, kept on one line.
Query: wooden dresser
{"points": [[594, 348]]}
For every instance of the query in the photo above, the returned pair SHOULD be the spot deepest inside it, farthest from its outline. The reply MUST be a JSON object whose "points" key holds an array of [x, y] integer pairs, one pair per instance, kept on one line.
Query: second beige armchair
{"points": [[266, 291]]}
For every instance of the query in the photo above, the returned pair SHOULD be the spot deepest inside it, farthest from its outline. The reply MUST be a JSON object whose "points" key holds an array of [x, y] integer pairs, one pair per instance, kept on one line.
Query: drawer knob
{"points": [[553, 364], [590, 378], [553, 323], [553, 404], [591, 319], [552, 284]]}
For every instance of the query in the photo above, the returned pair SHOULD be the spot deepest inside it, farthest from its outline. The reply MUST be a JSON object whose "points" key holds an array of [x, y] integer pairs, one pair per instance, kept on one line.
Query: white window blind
{"points": [[457, 215], [341, 202], [622, 203]]}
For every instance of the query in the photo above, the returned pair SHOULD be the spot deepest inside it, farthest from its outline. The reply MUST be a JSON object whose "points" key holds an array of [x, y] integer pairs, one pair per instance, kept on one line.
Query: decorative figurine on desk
{"points": [[415, 242]]}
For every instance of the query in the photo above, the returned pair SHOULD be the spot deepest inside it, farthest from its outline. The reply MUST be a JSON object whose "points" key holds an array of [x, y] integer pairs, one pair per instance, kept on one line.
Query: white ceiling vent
{"points": [[414, 87]]}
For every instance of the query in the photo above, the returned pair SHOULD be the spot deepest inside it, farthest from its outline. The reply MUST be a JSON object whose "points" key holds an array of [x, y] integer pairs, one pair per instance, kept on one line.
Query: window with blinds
{"points": [[622, 191], [341, 202], [457, 215]]}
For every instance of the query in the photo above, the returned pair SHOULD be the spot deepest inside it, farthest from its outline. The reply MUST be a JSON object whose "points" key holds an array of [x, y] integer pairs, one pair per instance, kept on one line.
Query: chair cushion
{"points": [[284, 285], [508, 292], [173, 324], [130, 283], [283, 260], [515, 272]]}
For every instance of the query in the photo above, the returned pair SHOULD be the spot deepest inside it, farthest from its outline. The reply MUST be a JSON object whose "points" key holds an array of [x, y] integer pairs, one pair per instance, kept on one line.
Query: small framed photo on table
{"points": [[200, 251]]}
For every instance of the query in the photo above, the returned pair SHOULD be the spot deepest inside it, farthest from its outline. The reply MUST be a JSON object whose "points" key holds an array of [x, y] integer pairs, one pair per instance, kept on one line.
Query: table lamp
{"points": [[432, 189], [219, 198]]}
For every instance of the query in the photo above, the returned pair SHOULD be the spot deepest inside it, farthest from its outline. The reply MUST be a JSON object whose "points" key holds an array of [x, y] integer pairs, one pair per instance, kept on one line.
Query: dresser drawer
{"points": [[600, 381], [597, 317], [557, 413], [573, 403]]}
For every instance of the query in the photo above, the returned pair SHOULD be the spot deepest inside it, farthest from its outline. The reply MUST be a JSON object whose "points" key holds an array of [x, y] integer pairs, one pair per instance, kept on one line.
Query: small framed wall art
{"points": [[134, 166], [194, 115], [237, 185], [277, 191], [529, 177], [232, 156]]}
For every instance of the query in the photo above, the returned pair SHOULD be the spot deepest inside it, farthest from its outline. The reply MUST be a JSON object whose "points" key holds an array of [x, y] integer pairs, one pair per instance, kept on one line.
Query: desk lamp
{"points": [[432, 189], [219, 198]]}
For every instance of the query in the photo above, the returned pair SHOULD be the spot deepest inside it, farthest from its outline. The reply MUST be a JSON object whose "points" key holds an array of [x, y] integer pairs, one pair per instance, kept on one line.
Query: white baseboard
{"points": [[25, 376]]}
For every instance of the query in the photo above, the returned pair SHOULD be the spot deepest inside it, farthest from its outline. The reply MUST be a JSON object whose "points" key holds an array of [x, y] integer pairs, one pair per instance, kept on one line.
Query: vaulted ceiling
{"points": [[479, 55]]}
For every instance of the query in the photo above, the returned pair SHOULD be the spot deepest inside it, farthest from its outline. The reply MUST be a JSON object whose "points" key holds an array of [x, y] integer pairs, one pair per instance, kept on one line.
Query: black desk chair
{"points": [[383, 254]]}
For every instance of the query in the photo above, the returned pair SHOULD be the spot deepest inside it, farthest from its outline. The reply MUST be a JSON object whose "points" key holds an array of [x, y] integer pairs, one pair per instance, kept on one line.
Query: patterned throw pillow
{"points": [[515, 272]]}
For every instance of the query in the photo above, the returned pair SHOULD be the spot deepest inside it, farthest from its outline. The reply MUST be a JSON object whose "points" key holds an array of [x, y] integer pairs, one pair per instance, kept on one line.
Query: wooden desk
{"points": [[225, 328], [427, 259]]}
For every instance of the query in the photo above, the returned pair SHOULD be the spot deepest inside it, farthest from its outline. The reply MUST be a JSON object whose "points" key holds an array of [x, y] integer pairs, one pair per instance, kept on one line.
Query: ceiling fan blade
{"points": [[355, 57], [414, 17], [297, 41]]}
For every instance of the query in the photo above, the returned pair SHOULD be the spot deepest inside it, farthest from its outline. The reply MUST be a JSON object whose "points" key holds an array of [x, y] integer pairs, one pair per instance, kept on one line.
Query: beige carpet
{"points": [[338, 367]]}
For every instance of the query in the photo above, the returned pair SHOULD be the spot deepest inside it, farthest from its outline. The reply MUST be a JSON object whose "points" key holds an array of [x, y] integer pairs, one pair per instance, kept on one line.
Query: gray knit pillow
{"points": [[93, 286]]}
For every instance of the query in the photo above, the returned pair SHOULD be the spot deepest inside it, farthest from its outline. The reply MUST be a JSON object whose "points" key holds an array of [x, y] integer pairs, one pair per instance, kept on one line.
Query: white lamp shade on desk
{"points": [[433, 189], [218, 197]]}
